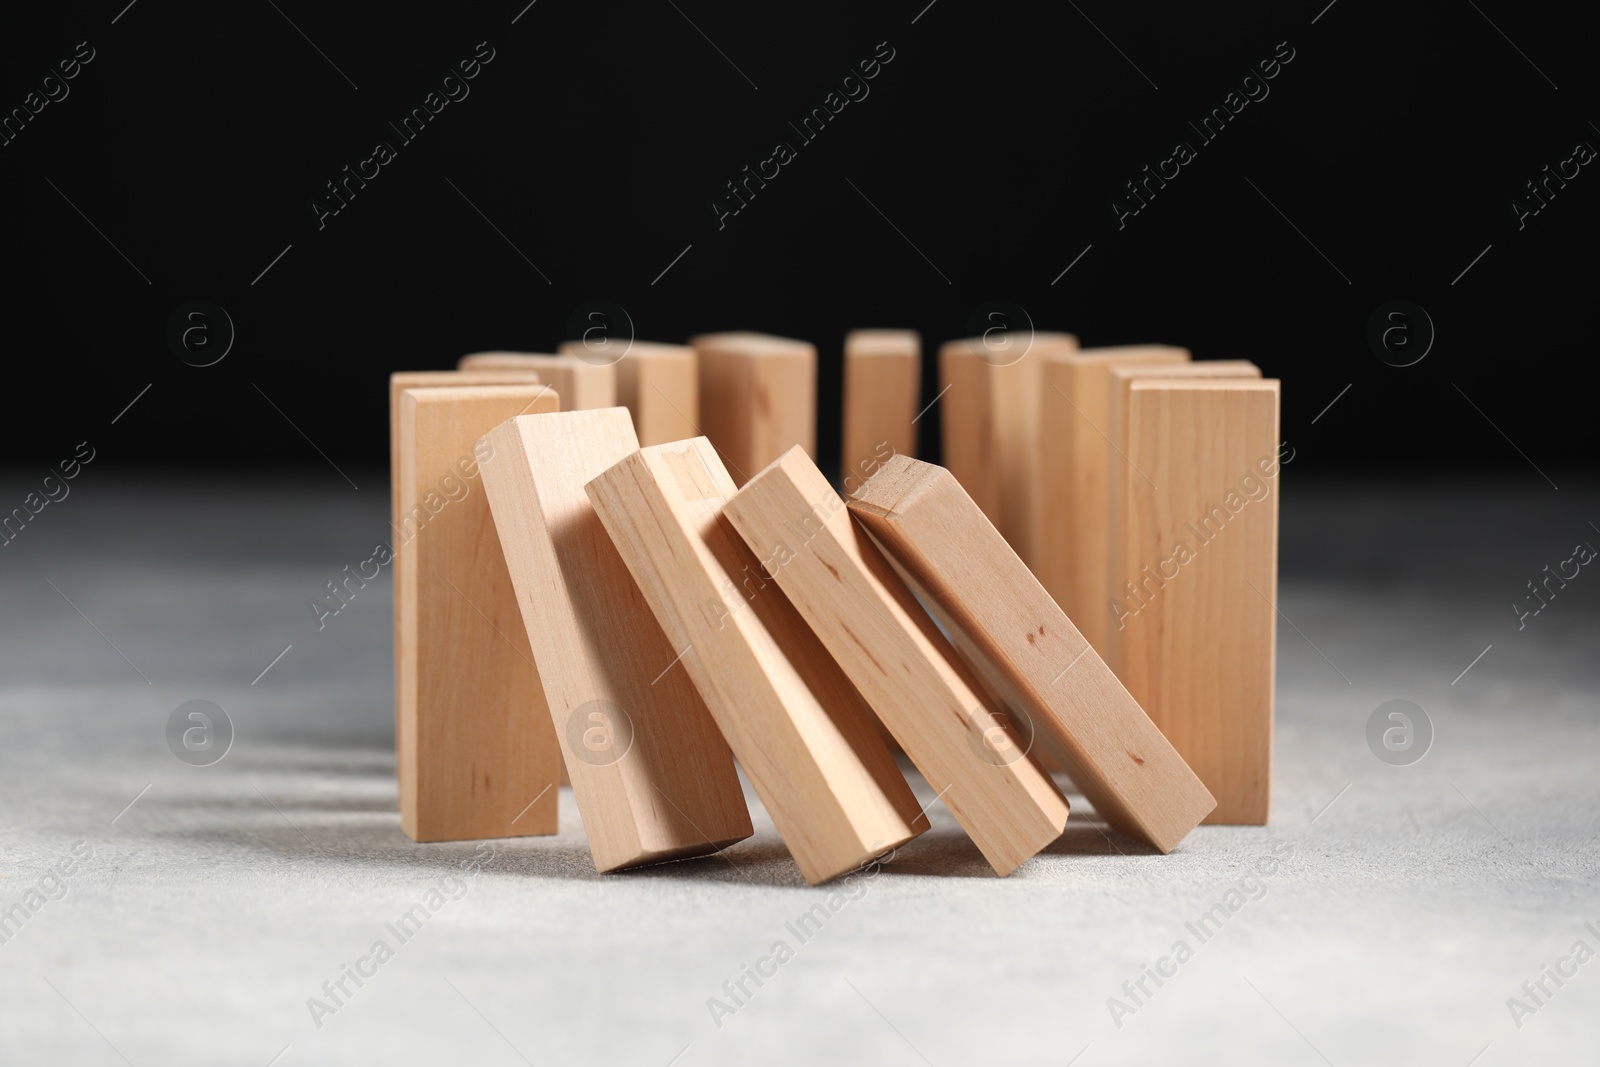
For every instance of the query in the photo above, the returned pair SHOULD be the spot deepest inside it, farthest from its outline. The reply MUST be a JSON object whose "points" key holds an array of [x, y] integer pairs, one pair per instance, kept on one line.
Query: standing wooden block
{"points": [[1195, 635], [653, 778], [1023, 646], [882, 381], [990, 395], [582, 385], [660, 387], [793, 719], [793, 520], [1073, 530], [476, 755], [758, 397]]}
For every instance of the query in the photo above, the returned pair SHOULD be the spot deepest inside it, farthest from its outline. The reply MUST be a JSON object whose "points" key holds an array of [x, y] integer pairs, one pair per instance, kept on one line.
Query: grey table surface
{"points": [[204, 908]]}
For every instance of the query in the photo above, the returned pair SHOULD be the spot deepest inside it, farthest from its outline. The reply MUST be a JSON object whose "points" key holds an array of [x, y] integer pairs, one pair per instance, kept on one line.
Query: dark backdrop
{"points": [[982, 163]]}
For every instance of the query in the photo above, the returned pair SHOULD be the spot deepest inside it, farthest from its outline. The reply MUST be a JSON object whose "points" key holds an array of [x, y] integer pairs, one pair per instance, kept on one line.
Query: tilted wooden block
{"points": [[582, 385], [653, 778], [758, 397], [659, 385], [793, 719], [1072, 561], [990, 396], [475, 751], [1195, 635], [882, 381], [793, 520], [1026, 649]]}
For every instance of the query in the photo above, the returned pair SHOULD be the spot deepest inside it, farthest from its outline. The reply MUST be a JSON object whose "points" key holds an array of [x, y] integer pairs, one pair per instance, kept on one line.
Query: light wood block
{"points": [[758, 397], [882, 383], [1074, 498], [475, 752], [792, 718], [1196, 637], [660, 386], [653, 778], [830, 571], [582, 385], [990, 422], [1026, 649]]}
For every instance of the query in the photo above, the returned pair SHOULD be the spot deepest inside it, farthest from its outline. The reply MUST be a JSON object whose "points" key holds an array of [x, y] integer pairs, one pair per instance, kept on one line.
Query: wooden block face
{"points": [[1197, 629], [758, 397], [882, 383], [583, 384], [660, 386], [865, 616], [1024, 647], [790, 715], [653, 778], [476, 754], [1071, 562]]}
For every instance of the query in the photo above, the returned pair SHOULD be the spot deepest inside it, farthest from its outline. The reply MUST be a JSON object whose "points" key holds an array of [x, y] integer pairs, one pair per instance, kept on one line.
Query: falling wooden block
{"points": [[1074, 499], [653, 778], [475, 751], [758, 397], [1025, 648], [793, 520], [583, 385], [990, 422], [882, 381], [660, 387], [1195, 633], [792, 718]]}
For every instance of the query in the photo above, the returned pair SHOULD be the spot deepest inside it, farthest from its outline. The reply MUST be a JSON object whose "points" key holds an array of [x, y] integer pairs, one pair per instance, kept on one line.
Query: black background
{"points": [[995, 139]]}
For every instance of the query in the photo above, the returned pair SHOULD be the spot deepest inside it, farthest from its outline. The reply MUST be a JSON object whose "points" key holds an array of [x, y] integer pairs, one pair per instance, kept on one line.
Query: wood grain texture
{"points": [[1195, 639], [653, 778], [475, 752], [882, 384], [790, 516], [1022, 645], [1073, 528], [792, 718], [660, 386], [583, 385], [758, 397]]}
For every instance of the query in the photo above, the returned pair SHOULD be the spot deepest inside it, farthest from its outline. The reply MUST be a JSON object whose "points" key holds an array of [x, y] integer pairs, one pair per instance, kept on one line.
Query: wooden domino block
{"points": [[653, 778], [1196, 631], [1073, 527], [758, 397], [1026, 649], [475, 751], [793, 520], [582, 385], [792, 718], [882, 383], [990, 422], [660, 387]]}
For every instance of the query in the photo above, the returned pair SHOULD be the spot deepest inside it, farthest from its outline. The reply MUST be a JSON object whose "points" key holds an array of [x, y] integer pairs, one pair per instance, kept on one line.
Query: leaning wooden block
{"points": [[758, 397], [792, 718], [653, 778], [583, 385], [660, 387], [1195, 629], [793, 520], [1021, 643], [882, 381], [475, 751], [1072, 560]]}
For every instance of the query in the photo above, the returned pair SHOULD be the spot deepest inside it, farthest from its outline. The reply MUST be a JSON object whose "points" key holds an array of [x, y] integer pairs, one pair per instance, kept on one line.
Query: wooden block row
{"points": [[582, 385], [659, 385]]}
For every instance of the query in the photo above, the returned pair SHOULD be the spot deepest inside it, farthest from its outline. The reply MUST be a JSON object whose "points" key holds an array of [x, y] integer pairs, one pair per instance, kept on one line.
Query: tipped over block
{"points": [[758, 397], [658, 384], [792, 718], [830, 571], [583, 384], [1024, 647], [882, 381], [475, 752]]}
